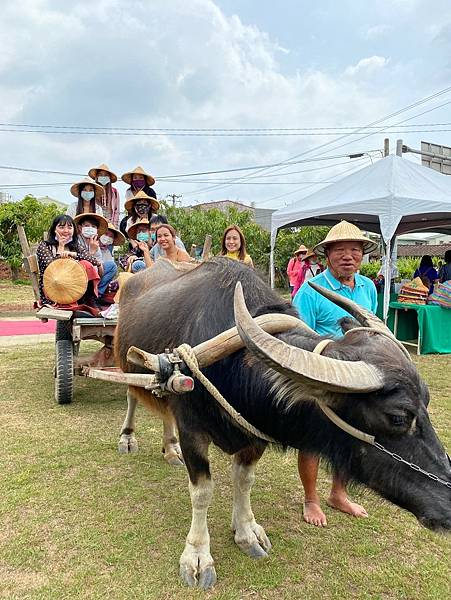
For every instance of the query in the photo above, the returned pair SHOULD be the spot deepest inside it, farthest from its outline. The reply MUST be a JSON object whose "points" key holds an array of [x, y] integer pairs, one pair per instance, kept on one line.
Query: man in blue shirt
{"points": [[343, 247]]}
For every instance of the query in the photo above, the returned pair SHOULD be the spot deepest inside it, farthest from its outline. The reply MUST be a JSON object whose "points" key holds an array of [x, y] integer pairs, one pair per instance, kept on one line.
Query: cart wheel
{"points": [[64, 371], [63, 330]]}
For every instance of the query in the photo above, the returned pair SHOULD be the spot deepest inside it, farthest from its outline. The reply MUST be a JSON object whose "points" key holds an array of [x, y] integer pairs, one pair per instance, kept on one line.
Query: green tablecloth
{"points": [[433, 322]]}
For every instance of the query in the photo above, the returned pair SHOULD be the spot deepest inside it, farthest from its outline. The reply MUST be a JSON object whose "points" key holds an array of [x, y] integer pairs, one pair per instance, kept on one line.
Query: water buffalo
{"points": [[275, 383]]}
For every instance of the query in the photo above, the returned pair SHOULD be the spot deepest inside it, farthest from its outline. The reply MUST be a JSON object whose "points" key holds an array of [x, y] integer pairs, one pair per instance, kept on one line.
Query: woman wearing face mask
{"points": [[166, 239], [139, 207], [310, 266], [139, 256], [91, 227], [139, 181], [89, 196], [110, 199], [63, 242], [112, 237], [233, 245]]}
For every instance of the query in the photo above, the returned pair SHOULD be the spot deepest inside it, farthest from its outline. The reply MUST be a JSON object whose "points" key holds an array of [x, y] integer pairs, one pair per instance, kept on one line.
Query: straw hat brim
{"points": [[98, 189], [154, 204], [93, 172], [65, 281], [102, 223], [119, 237], [368, 245], [131, 231], [309, 254], [127, 177]]}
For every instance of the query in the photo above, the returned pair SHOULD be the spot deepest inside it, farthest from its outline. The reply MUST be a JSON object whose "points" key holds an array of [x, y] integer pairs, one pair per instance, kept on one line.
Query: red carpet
{"points": [[34, 327]]}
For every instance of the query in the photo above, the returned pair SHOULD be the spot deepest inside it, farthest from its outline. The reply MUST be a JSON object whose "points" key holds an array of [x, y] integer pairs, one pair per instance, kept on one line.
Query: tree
{"points": [[35, 217], [193, 224]]}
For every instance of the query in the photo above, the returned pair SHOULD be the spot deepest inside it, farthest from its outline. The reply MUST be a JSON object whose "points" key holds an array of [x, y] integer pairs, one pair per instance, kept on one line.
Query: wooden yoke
{"points": [[30, 262]]}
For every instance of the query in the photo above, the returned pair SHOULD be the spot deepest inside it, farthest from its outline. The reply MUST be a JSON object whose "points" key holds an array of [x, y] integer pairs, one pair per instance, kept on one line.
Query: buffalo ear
{"points": [[348, 323]]}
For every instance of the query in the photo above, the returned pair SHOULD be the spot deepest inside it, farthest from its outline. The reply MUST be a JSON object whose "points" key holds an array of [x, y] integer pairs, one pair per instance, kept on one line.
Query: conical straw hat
{"points": [[127, 177], [103, 167], [155, 205], [98, 189], [65, 281], [131, 231], [102, 223], [301, 248], [345, 232], [119, 237]]}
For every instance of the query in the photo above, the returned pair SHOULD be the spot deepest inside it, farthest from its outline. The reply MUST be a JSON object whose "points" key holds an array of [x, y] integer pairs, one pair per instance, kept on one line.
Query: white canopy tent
{"points": [[390, 197]]}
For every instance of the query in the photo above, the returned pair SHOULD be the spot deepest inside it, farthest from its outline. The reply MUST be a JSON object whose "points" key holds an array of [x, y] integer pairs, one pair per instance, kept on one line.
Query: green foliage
{"points": [[289, 240], [370, 269], [194, 224], [35, 218]]}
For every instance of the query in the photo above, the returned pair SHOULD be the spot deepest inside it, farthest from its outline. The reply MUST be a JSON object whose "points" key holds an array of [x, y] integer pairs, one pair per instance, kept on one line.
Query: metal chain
{"points": [[412, 465]]}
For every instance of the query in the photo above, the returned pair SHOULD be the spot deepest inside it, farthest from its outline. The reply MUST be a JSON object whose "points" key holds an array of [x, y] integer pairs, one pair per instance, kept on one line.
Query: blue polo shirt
{"points": [[320, 313]]}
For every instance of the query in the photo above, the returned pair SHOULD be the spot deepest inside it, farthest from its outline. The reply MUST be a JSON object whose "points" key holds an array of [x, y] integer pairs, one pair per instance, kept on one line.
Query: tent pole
{"points": [[271, 265], [387, 278]]}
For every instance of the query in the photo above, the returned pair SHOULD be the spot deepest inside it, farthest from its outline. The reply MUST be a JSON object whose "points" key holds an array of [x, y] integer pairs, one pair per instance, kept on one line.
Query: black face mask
{"points": [[142, 209]]}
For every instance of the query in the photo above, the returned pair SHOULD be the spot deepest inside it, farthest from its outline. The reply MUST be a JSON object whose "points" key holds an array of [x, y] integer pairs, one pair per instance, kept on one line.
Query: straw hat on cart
{"points": [[98, 189], [65, 281], [155, 205], [127, 177], [103, 167]]}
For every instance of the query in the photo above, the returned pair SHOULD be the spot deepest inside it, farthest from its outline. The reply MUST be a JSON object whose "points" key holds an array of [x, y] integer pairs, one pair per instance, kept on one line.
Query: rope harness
{"points": [[187, 354]]}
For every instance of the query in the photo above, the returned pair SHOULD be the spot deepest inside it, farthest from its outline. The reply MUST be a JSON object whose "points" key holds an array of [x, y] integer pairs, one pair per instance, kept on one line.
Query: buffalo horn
{"points": [[363, 316], [223, 344], [301, 365]]}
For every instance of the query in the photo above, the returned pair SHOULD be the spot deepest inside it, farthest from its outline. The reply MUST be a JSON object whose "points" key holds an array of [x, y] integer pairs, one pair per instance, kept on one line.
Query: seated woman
{"points": [[233, 245], [139, 256], [139, 181], [166, 238], [63, 242], [156, 250], [426, 272], [90, 227], [89, 196]]}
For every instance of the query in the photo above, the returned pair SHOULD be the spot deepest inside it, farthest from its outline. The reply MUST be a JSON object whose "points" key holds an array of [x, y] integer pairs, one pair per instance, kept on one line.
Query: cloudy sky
{"points": [[311, 72]]}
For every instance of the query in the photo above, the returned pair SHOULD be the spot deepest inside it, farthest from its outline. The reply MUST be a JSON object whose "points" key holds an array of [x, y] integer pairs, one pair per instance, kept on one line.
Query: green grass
{"points": [[79, 521], [15, 297]]}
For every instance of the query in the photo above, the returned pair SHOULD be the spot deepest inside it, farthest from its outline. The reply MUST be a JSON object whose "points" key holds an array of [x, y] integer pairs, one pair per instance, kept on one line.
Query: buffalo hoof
{"points": [[197, 567], [173, 455], [206, 578], [128, 444], [252, 540]]}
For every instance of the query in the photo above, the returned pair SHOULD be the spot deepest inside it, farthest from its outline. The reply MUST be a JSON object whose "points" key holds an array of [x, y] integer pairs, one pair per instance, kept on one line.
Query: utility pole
{"points": [[386, 147], [398, 147], [174, 198]]}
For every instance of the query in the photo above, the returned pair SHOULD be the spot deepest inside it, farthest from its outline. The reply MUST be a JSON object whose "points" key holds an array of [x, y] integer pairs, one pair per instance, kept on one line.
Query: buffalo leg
{"points": [[196, 563], [127, 441], [250, 537], [171, 447]]}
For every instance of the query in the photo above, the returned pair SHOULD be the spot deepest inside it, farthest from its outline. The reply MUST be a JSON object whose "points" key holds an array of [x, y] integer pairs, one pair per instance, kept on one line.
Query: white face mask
{"points": [[106, 240], [88, 231], [103, 179], [87, 195]]}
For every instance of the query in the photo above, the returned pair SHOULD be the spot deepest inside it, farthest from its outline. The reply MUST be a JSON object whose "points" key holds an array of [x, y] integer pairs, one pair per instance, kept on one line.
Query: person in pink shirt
{"points": [[294, 265], [309, 267]]}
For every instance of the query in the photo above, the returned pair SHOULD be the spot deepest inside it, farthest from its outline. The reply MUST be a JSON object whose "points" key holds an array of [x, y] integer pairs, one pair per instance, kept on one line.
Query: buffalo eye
{"points": [[398, 420]]}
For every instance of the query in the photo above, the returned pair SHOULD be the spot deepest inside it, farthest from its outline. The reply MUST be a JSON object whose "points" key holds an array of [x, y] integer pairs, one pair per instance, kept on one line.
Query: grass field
{"points": [[79, 521], [15, 298]]}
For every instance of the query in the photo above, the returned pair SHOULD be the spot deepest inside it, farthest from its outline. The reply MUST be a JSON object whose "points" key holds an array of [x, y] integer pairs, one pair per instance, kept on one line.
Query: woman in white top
{"points": [[89, 196]]}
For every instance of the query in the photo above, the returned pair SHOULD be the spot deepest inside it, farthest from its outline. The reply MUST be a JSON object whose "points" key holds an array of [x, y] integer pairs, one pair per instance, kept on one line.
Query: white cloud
{"points": [[377, 31], [165, 64], [366, 66]]}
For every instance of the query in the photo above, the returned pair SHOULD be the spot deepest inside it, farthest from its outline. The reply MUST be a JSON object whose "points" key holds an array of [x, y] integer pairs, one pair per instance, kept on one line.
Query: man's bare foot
{"points": [[345, 505], [313, 515]]}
